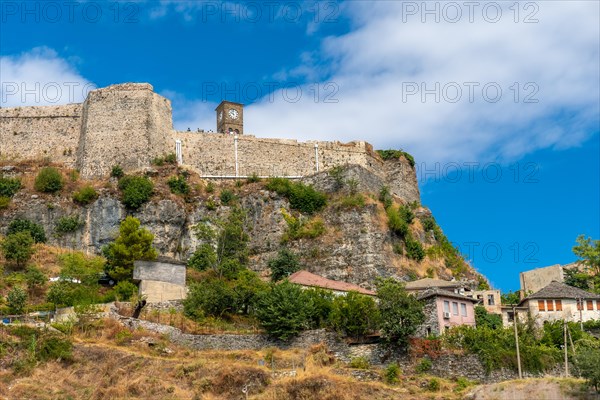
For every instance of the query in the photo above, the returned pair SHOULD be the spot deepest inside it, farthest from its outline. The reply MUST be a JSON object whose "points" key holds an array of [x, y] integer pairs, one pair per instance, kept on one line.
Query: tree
{"points": [[401, 313], [16, 300], [133, 243], [282, 310], [354, 314], [588, 251], [587, 361], [225, 247], [510, 298], [85, 269], [35, 278], [210, 297], [484, 318], [18, 247], [247, 286], [24, 225], [320, 303], [285, 264]]}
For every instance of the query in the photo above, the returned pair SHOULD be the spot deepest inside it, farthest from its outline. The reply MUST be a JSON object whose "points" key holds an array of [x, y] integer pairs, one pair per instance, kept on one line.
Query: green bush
{"points": [[428, 223], [17, 247], [203, 258], [4, 202], [227, 197], [302, 228], [36, 231], [424, 366], [406, 213], [68, 224], [320, 304], [171, 158], [253, 178], [285, 264], [391, 374], [301, 197], [136, 190], [9, 186], [85, 195], [395, 154], [354, 314], [210, 187], [433, 385], [385, 197], [352, 201], [178, 185], [359, 363], [117, 172], [35, 278], [587, 360], [396, 223], [54, 348], [210, 297], [49, 180], [283, 310], [125, 290], [16, 300], [414, 249], [484, 318]]}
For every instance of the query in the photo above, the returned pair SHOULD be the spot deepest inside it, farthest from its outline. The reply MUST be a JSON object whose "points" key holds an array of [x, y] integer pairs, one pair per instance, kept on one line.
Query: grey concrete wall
{"points": [[159, 271], [536, 279]]}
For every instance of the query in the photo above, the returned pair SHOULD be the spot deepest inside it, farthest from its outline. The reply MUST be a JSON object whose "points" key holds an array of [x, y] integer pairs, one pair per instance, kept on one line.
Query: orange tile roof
{"points": [[306, 278]]}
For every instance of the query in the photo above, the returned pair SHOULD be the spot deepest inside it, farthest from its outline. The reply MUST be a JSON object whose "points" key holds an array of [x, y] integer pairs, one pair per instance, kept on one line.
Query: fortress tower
{"points": [[230, 118]]}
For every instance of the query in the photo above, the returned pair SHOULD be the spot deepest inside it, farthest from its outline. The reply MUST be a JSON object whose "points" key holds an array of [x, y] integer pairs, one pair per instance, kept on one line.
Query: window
{"points": [[446, 306], [579, 304], [550, 305], [491, 300], [590, 305], [511, 316], [454, 308], [541, 305], [463, 309], [558, 305]]}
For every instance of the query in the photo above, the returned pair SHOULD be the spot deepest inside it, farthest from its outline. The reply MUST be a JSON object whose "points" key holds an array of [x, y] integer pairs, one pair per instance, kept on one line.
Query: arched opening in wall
{"points": [[230, 131], [237, 131]]}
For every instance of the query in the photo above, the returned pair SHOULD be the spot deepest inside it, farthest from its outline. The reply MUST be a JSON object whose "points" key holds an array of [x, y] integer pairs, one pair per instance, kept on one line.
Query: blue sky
{"points": [[502, 87]]}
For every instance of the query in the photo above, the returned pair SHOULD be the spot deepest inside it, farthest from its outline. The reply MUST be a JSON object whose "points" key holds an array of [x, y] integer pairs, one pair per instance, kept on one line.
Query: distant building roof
{"points": [[444, 293], [306, 278], [559, 290], [427, 283]]}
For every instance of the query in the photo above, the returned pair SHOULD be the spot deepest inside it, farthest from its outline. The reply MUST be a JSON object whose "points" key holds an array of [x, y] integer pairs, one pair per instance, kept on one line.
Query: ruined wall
{"points": [[40, 132], [124, 124]]}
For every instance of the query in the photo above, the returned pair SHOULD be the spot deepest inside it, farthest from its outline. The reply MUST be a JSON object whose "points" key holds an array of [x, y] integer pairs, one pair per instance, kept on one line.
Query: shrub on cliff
{"points": [[85, 195], [117, 172], [67, 224], [49, 180], [178, 185], [414, 249], [395, 154], [136, 190], [9, 186], [285, 264], [24, 225], [302, 197]]}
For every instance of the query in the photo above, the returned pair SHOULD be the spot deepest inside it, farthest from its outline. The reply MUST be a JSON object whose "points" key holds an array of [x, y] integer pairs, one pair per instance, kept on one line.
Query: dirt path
{"points": [[534, 389]]}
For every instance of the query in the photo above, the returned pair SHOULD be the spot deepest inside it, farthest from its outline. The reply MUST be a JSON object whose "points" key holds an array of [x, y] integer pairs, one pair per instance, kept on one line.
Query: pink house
{"points": [[444, 309]]}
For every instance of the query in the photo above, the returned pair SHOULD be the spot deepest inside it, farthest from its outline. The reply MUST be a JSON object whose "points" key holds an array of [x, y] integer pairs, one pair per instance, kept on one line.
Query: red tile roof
{"points": [[306, 278]]}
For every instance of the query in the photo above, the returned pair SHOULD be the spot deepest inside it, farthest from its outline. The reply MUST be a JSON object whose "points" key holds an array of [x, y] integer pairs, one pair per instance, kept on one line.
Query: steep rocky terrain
{"points": [[357, 245]]}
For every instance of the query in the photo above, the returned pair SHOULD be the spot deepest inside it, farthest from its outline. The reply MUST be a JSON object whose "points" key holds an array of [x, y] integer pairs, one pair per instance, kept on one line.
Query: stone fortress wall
{"points": [[128, 124]]}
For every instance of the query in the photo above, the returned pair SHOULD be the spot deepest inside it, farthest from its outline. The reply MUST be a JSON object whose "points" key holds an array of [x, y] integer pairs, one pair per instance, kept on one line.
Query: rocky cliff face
{"points": [[356, 247]]}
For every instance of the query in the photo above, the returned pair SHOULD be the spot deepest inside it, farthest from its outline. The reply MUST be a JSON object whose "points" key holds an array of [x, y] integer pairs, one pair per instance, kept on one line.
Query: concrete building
{"points": [[536, 279], [310, 280], [557, 301], [444, 309], [160, 280], [489, 299]]}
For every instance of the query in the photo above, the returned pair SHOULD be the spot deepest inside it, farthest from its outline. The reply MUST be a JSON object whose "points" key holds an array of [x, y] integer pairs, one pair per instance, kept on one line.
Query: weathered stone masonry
{"points": [[129, 124]]}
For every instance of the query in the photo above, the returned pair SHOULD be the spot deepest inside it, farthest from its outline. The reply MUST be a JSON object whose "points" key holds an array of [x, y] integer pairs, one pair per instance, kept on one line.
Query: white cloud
{"points": [[40, 77], [557, 58]]}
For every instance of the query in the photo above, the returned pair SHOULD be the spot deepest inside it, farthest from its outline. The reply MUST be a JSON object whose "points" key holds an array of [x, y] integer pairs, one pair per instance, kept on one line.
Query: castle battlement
{"points": [[129, 124]]}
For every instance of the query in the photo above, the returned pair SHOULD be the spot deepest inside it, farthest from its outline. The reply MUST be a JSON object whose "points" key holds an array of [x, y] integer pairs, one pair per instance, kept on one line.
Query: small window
{"points": [[491, 300], [511, 316], [590, 305], [558, 305], [550, 305], [446, 306], [454, 308], [463, 309], [541, 305]]}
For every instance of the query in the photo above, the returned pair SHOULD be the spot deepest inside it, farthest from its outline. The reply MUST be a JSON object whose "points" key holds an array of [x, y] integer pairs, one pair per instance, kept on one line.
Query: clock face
{"points": [[220, 116], [233, 114]]}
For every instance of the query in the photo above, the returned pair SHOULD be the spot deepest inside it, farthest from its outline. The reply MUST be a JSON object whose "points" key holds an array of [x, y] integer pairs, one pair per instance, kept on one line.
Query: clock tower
{"points": [[230, 118]]}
